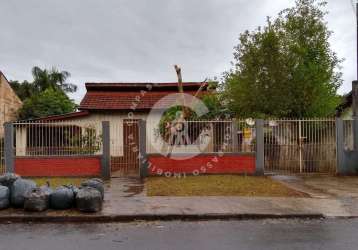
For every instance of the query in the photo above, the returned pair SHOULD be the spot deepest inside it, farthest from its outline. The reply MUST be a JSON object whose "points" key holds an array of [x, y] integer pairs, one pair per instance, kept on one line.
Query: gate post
{"points": [[9, 151], [143, 161], [235, 141], [340, 146], [260, 155], [106, 151]]}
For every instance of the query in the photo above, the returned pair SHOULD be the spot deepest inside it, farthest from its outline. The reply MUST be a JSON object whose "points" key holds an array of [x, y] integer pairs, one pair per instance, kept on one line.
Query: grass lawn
{"points": [[58, 181], [218, 185]]}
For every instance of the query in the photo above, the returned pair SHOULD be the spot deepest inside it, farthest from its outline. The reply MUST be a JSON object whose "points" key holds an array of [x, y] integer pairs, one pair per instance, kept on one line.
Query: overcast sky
{"points": [[127, 40]]}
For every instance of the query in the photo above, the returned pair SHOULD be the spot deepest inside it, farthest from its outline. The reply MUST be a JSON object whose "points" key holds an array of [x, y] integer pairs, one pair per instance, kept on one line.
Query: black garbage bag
{"points": [[8, 179], [47, 189], [18, 190], [89, 200], [62, 198], [74, 189], [98, 180], [4, 197], [37, 200], [95, 183]]}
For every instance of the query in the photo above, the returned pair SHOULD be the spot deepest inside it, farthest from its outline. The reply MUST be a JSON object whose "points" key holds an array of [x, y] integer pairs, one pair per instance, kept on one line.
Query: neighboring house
{"points": [[118, 103], [10, 103], [344, 110]]}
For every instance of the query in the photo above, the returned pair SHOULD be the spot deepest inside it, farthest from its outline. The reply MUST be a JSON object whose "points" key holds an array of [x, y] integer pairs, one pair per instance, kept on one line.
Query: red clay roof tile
{"points": [[104, 100], [129, 96]]}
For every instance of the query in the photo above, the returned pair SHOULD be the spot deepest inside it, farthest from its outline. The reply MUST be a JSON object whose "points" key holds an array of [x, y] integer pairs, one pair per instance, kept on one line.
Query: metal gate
{"points": [[300, 146], [125, 148]]}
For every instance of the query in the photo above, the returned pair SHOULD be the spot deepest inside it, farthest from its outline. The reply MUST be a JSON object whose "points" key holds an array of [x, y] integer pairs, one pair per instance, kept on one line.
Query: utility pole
{"points": [[355, 83], [356, 11], [355, 90]]}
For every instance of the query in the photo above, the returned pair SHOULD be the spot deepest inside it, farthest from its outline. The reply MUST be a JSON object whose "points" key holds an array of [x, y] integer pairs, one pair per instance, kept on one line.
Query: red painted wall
{"points": [[58, 166], [202, 164]]}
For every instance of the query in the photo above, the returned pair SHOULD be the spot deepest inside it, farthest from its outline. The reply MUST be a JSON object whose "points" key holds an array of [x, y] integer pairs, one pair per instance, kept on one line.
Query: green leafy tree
{"points": [[42, 80], [24, 89], [48, 102], [215, 104], [212, 98], [46, 94], [287, 68]]}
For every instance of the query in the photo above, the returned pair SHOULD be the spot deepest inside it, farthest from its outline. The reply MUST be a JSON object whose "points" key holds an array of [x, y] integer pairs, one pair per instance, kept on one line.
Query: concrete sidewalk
{"points": [[187, 208], [231, 206], [127, 197], [126, 201]]}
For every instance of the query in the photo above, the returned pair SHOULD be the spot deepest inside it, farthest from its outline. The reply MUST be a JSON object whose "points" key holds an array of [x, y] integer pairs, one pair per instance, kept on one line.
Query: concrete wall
{"points": [[9, 103], [58, 166], [202, 164]]}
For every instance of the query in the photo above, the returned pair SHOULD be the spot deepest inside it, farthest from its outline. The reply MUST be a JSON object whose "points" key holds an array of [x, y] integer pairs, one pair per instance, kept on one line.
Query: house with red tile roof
{"points": [[107, 101], [120, 103]]}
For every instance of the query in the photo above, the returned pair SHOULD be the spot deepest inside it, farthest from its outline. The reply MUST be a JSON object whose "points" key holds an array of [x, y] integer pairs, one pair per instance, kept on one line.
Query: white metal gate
{"points": [[125, 148], [300, 146]]}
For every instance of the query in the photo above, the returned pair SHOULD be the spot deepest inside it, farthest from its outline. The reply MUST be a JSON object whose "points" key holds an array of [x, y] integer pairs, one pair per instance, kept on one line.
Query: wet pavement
{"points": [[322, 186], [127, 196], [125, 187], [223, 235], [126, 200]]}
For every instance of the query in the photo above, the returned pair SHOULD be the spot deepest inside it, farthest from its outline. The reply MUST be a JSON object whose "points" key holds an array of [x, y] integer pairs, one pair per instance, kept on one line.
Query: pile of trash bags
{"points": [[23, 193]]}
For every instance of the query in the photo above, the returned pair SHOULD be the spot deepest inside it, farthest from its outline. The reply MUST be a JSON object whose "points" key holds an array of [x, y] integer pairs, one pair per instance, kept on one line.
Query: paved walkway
{"points": [[125, 200]]}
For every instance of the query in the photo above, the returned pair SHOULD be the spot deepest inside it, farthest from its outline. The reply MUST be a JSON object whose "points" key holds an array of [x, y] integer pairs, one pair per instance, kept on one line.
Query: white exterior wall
{"points": [[116, 126], [156, 146], [20, 141], [116, 132]]}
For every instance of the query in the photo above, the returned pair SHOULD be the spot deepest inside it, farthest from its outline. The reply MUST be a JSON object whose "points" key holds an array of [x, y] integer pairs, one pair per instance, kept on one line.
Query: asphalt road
{"points": [[218, 235]]}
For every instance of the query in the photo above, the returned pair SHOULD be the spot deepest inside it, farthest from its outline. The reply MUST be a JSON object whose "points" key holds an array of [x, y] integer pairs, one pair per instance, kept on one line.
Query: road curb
{"points": [[150, 217]]}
